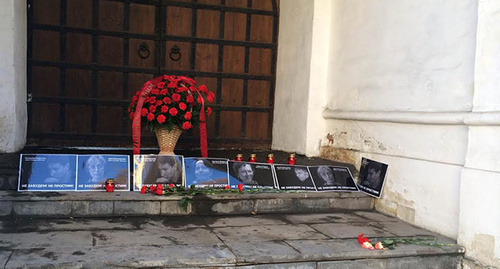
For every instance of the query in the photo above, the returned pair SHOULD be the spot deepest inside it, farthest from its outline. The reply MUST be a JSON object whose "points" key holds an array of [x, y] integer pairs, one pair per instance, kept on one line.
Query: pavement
{"points": [[319, 240]]}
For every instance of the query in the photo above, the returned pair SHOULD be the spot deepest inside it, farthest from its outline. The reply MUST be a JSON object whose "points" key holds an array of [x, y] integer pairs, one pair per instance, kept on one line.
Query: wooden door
{"points": [[87, 58]]}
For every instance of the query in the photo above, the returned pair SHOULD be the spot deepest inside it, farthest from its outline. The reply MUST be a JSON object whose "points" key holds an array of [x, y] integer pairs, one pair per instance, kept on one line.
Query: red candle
{"points": [[253, 158], [239, 158], [270, 158], [291, 159], [110, 185]]}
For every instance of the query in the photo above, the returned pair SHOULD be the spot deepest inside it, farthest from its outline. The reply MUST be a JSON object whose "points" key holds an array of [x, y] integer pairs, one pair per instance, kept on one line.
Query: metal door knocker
{"points": [[144, 51], [175, 53]]}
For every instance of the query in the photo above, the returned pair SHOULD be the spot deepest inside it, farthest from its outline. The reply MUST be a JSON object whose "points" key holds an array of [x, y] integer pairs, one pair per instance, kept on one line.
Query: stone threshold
{"points": [[102, 204]]}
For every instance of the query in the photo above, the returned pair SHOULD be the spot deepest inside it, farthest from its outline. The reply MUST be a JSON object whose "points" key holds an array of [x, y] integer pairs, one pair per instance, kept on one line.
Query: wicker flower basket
{"points": [[167, 139]]}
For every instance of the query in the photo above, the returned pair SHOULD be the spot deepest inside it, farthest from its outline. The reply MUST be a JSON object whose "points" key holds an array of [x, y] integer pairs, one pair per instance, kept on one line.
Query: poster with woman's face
{"points": [[372, 177], [206, 172], [94, 170], [251, 175], [47, 172], [332, 178], [293, 177], [157, 169]]}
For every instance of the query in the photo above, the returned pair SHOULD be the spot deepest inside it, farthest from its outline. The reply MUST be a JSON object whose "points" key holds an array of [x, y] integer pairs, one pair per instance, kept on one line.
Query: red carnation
{"points": [[152, 109], [166, 100], [188, 115], [182, 106], [152, 100], [135, 98], [227, 187], [203, 89], [144, 112], [164, 91], [209, 111], [131, 116], [190, 99], [160, 119], [151, 116], [176, 97], [164, 109], [171, 185], [199, 99], [159, 190], [173, 111], [172, 84], [152, 188], [240, 187], [210, 97], [158, 102], [155, 91], [161, 84], [138, 93], [186, 125], [143, 189]]}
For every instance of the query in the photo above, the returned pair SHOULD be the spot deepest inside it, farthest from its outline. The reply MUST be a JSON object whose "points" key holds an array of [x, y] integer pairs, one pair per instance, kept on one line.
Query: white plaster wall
{"points": [[292, 75], [13, 114], [402, 55]]}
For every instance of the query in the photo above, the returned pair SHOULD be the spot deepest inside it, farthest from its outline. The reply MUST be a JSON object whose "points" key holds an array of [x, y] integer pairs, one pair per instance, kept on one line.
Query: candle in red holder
{"points": [[239, 158], [270, 158], [253, 158], [110, 185], [291, 159]]}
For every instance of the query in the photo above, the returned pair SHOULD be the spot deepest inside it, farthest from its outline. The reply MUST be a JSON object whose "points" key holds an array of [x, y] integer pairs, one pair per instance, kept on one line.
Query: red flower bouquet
{"points": [[173, 101]]}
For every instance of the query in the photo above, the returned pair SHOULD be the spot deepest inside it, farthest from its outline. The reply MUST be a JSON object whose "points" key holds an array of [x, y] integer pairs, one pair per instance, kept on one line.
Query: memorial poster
{"points": [[332, 178], [47, 172], [206, 172], [372, 177], [94, 170], [158, 169], [293, 177], [251, 175]]}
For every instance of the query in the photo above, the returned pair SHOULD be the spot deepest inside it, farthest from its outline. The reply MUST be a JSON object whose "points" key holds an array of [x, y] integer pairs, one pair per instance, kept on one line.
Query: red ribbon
{"points": [[136, 123]]}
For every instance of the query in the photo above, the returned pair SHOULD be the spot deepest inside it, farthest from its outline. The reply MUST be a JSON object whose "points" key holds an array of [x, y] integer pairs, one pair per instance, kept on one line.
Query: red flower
{"points": [[160, 119], [210, 97], [240, 187], [151, 116], [137, 93], [161, 84], [151, 100], [182, 106], [176, 97], [190, 99], [362, 239], [166, 100], [152, 188], [159, 190], [227, 187], [144, 112], [186, 125], [164, 109], [203, 89], [164, 91], [171, 185], [158, 102], [143, 189], [152, 109], [131, 116], [182, 89], [173, 111], [155, 91], [186, 80], [188, 115], [135, 98], [199, 99], [209, 111], [172, 84]]}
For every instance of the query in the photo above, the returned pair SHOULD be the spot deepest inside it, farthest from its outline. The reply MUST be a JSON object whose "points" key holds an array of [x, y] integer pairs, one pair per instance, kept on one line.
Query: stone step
{"points": [[320, 240], [103, 204]]}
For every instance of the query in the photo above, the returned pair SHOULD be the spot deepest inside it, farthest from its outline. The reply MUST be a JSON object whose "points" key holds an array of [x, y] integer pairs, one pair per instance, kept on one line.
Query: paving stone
{"points": [[273, 206], [301, 265], [4, 256], [402, 229], [245, 221], [42, 208], [341, 230], [172, 208], [136, 208], [436, 262], [364, 203], [174, 223], [311, 205], [263, 252], [267, 233], [67, 258], [5, 208], [375, 216], [155, 237], [325, 218], [46, 239], [92, 208]]}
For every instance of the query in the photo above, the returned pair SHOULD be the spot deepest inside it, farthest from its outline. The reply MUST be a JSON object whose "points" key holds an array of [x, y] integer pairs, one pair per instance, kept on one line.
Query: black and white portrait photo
{"points": [[253, 175], [332, 178], [293, 177], [94, 170], [47, 172], [372, 177], [206, 172], [157, 169]]}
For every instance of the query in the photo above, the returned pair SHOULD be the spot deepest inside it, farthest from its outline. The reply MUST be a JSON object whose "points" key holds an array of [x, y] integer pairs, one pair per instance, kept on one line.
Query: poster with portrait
{"points": [[372, 177], [206, 172], [94, 170], [293, 177], [251, 175], [157, 169], [47, 172], [332, 178]]}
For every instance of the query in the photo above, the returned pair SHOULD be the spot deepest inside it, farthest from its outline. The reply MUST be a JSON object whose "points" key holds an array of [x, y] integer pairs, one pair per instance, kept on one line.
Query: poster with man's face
{"points": [[251, 175], [47, 172], [206, 172], [94, 170], [293, 177], [157, 169], [332, 178], [372, 177]]}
